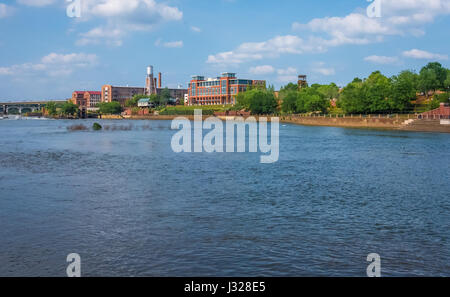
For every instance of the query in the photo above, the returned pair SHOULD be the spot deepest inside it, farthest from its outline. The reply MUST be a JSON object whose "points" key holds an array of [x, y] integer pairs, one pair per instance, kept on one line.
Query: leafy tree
{"points": [[447, 80], [242, 102], [357, 80], [428, 80], [441, 73], [133, 102], [309, 99], [404, 89], [69, 108], [352, 99], [110, 107], [165, 96], [258, 101], [51, 108], [377, 88], [289, 87], [155, 99], [289, 104], [330, 91]]}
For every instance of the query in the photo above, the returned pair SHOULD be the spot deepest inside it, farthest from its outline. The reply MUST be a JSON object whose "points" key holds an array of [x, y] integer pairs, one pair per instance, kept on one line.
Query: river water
{"points": [[130, 206]]}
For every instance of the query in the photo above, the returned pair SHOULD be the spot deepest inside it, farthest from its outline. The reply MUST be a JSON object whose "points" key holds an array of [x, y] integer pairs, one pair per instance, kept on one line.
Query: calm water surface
{"points": [[131, 207]]}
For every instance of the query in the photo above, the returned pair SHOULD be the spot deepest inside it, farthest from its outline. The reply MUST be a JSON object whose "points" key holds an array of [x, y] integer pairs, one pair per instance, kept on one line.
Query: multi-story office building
{"points": [[120, 94], [219, 91], [86, 99], [92, 99]]}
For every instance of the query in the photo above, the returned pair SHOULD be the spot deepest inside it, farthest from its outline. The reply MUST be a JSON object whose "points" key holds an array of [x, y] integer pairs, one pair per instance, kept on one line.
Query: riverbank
{"points": [[403, 123]]}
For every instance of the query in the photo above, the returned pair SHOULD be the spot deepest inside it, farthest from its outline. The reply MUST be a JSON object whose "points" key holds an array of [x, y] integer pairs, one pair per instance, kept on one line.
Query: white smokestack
{"points": [[150, 70]]}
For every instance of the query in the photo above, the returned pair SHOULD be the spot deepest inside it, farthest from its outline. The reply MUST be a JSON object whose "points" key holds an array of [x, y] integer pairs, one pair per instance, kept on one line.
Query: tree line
{"points": [[375, 94]]}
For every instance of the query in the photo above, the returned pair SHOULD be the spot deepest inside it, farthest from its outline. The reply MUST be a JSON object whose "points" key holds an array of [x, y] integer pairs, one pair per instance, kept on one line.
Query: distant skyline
{"points": [[44, 54]]}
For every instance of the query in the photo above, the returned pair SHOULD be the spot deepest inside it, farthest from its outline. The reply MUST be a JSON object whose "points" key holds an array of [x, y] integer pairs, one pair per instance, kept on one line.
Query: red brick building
{"points": [[218, 91], [78, 98], [86, 99], [92, 99]]}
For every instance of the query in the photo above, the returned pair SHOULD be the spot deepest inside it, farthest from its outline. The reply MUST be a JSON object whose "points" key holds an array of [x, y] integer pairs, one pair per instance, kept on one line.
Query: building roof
{"points": [[90, 92], [144, 100]]}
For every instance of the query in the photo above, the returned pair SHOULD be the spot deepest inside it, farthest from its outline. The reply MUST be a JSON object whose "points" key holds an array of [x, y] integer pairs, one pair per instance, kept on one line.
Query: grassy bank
{"points": [[189, 110]]}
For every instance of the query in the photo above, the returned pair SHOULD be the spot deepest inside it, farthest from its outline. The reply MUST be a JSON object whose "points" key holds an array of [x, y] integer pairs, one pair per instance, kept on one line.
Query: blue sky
{"points": [[44, 54]]}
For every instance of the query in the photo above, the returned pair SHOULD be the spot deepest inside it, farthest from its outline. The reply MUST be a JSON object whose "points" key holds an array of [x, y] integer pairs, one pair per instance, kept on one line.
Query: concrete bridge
{"points": [[25, 106]]}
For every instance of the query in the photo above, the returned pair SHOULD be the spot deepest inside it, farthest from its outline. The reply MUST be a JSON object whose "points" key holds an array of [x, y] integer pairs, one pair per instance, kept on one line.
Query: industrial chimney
{"points": [[159, 81]]}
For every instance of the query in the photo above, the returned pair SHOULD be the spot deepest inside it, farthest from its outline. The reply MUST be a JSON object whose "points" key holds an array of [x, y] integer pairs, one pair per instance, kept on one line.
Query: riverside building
{"points": [[153, 85], [219, 91]]}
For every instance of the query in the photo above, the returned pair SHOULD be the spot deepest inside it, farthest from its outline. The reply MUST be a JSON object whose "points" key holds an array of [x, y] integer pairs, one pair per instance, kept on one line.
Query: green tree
{"points": [[51, 108], [165, 96], [110, 107], [289, 87], [428, 80], [441, 73], [352, 99], [242, 102], [260, 101], [404, 89], [330, 91], [309, 99], [377, 88], [133, 102], [289, 98], [155, 99], [69, 108], [447, 80]]}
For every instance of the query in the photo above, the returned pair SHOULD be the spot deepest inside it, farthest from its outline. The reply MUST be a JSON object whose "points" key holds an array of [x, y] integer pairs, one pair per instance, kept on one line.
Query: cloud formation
{"points": [[5, 10], [399, 18], [53, 65], [37, 3], [420, 54], [122, 17], [381, 59], [263, 69]]}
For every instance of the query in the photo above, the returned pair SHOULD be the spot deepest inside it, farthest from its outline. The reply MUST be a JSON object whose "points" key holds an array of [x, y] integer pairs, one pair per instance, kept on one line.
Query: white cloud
{"points": [[53, 65], [122, 17], [420, 54], [325, 71], [102, 35], [399, 17], [169, 44], [38, 3], [320, 67], [260, 70], [196, 29], [381, 59], [5, 10], [287, 75], [273, 48], [173, 44]]}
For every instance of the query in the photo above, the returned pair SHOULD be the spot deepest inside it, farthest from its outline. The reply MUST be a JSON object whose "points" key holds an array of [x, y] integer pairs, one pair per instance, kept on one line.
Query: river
{"points": [[130, 206]]}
